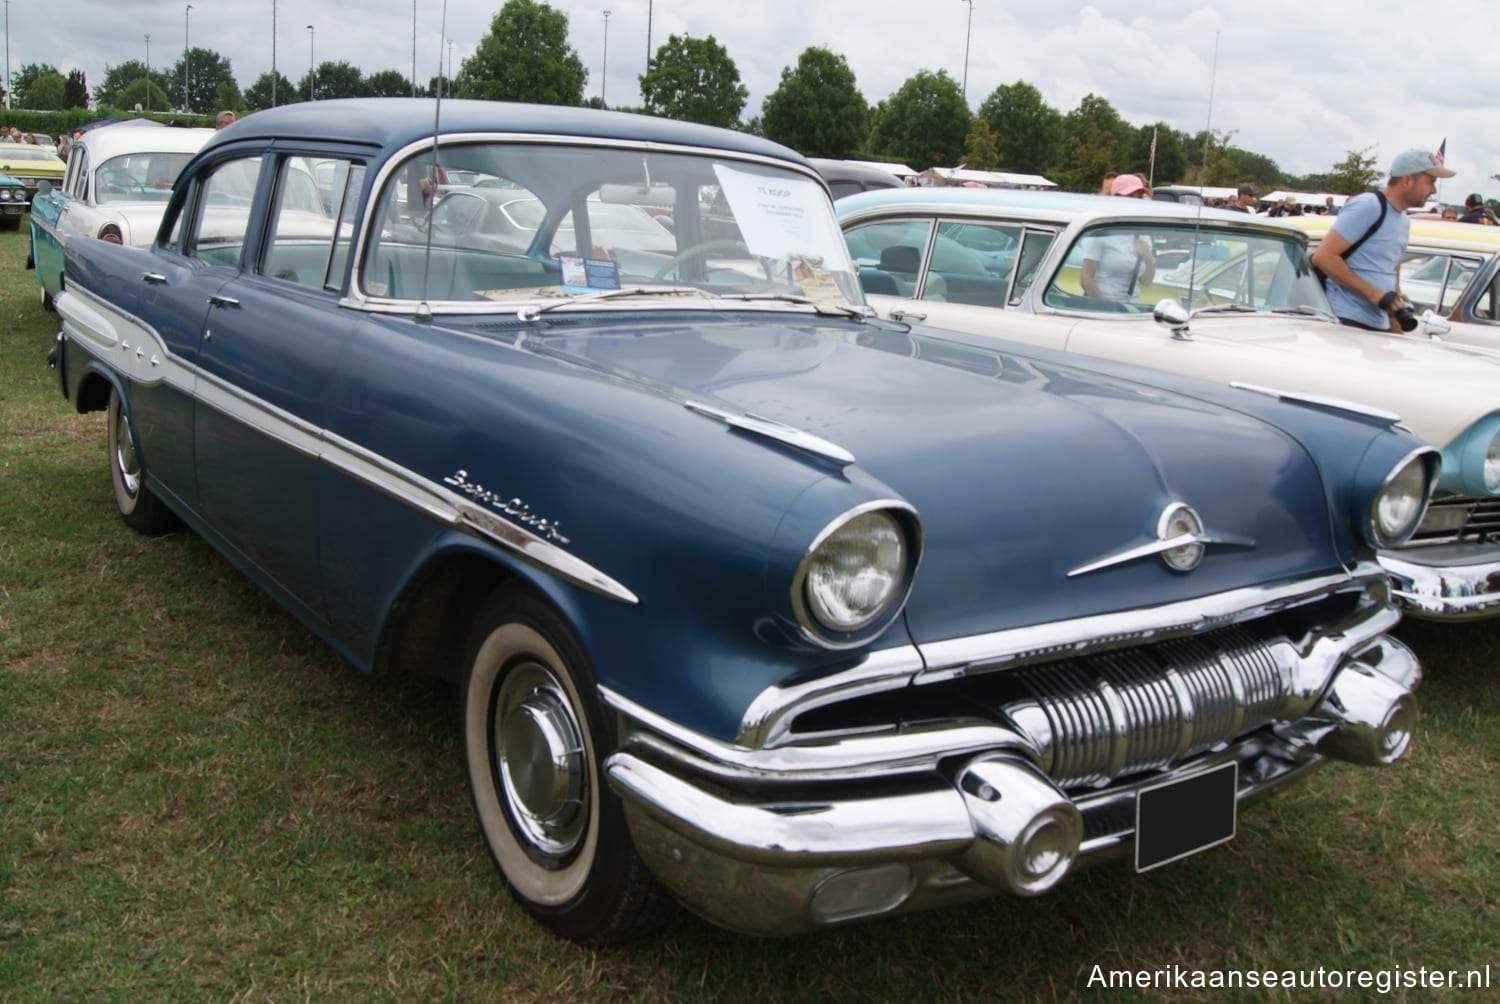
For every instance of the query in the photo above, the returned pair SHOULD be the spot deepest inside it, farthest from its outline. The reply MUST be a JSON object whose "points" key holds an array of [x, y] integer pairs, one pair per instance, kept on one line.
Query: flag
{"points": [[1442, 152]]}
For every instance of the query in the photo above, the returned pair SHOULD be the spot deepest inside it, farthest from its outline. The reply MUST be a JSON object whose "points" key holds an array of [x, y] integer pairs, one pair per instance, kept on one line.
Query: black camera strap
{"points": [[1379, 221]]}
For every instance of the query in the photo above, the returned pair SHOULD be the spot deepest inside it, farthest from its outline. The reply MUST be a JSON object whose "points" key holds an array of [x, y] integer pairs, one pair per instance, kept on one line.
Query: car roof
{"points": [[393, 123], [1050, 206], [1447, 234], [124, 137], [17, 152]]}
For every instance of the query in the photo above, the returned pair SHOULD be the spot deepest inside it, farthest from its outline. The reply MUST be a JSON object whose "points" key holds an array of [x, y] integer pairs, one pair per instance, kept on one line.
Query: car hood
{"points": [[1396, 373], [1024, 469]]}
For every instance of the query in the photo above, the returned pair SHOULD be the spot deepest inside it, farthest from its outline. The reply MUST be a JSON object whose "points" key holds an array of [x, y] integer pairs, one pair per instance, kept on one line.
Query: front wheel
{"points": [[534, 738], [142, 511]]}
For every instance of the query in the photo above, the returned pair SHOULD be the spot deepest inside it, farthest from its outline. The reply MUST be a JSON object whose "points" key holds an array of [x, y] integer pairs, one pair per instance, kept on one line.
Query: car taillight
{"points": [[110, 235]]}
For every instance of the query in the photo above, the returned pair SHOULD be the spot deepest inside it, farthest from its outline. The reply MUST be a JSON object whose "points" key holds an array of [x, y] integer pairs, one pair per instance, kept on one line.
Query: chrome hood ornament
{"points": [[1180, 540]]}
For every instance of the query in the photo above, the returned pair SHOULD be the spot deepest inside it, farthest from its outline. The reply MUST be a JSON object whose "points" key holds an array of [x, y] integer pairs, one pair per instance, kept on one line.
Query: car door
{"points": [[271, 337]]}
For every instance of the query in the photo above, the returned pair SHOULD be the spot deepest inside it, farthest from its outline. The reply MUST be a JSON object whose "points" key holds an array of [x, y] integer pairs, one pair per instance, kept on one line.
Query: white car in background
{"points": [[1217, 295], [116, 186]]}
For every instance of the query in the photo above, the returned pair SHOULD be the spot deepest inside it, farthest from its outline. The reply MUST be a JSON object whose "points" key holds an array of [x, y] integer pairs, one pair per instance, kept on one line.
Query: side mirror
{"points": [[1173, 315], [1435, 325]]}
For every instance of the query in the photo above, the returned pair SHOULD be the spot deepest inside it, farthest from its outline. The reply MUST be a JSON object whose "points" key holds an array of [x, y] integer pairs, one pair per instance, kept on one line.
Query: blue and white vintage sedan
{"points": [[755, 602]]}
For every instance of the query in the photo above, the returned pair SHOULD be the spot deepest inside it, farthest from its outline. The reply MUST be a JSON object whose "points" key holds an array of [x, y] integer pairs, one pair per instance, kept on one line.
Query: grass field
{"points": [[200, 802]]}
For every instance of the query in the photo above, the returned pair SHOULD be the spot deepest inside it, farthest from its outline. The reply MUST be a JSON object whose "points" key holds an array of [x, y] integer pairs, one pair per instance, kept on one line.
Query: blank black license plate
{"points": [[1184, 816]]}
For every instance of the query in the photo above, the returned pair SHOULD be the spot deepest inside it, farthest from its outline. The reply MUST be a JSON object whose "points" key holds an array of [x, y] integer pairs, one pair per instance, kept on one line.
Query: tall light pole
{"points": [[450, 68], [148, 73], [648, 35], [273, 53], [7, 53], [312, 77], [186, 104], [604, 76], [967, 36], [413, 48]]}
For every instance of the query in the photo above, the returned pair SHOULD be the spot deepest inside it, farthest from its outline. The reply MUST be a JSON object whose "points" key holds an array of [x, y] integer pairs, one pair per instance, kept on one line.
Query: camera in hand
{"points": [[1400, 309]]}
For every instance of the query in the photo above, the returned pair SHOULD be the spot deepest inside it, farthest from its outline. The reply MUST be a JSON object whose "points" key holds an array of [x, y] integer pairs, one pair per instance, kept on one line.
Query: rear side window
{"points": [[307, 242]]}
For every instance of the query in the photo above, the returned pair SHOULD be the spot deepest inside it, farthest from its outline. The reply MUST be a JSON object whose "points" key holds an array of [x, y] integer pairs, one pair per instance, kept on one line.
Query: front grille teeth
{"points": [[1097, 718]]}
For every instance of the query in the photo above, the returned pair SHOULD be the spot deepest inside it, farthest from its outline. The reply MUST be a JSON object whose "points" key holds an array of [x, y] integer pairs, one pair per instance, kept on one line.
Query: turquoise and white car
{"points": [[116, 186]]}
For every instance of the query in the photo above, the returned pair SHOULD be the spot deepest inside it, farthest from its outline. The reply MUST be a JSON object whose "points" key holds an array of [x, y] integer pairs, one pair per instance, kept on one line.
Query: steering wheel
{"points": [[695, 251], [118, 181]]}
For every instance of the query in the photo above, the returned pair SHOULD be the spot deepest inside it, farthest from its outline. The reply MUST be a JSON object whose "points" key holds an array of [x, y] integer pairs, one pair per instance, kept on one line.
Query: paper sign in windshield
{"points": [[583, 275], [780, 217]]}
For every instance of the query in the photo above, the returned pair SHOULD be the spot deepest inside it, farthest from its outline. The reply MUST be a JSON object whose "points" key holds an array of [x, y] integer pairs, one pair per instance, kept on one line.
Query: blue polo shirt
{"points": [[1375, 261]]}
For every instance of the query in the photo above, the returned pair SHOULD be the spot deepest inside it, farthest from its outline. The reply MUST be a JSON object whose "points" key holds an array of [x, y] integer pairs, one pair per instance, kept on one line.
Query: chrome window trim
{"points": [[357, 299]]}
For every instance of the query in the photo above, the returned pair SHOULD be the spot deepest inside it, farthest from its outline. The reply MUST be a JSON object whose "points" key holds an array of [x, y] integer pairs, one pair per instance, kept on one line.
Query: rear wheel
{"points": [[142, 511], [534, 737]]}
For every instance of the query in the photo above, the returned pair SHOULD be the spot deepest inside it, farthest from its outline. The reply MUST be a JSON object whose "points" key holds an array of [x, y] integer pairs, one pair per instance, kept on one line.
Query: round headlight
{"points": [[856, 572], [1399, 505], [1492, 464]]}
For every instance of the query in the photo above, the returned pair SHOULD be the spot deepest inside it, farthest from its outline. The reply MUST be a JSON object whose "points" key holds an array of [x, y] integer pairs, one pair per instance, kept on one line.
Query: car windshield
{"points": [[556, 220], [136, 177], [22, 152], [1131, 268]]}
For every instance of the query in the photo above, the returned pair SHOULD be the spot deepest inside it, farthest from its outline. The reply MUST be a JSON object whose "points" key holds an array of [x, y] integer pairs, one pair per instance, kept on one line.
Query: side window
{"points": [[223, 211], [1033, 248], [1487, 306], [972, 263], [889, 255], [306, 242], [78, 173], [1460, 273]]}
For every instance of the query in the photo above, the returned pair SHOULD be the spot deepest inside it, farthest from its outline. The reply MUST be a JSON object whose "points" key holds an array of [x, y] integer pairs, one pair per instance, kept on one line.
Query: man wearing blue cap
{"points": [[1360, 254]]}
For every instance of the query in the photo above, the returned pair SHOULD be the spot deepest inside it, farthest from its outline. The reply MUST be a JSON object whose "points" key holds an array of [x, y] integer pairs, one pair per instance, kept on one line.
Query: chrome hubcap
{"points": [[541, 762], [125, 461]]}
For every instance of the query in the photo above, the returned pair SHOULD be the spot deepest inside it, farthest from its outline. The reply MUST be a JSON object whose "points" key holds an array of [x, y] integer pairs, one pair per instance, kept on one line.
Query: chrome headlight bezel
{"points": [[1398, 507], [817, 581], [1471, 462]]}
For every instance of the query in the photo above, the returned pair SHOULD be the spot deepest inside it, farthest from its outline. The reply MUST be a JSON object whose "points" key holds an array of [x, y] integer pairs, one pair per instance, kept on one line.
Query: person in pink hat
{"points": [[1116, 265]]}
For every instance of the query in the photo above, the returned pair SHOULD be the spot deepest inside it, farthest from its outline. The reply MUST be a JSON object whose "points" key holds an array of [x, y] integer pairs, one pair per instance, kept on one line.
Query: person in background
{"points": [[1109, 179], [1244, 199], [225, 118], [1368, 239], [1286, 207], [1476, 212], [1116, 266], [1329, 209], [1449, 213]]}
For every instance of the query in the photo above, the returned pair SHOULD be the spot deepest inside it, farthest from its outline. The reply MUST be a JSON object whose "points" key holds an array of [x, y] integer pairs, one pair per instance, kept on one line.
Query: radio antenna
{"points": [[424, 310], [1208, 135]]}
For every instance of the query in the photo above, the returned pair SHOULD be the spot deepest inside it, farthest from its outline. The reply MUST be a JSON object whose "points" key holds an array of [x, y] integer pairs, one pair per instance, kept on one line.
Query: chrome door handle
{"points": [[907, 315], [153, 277], [223, 301]]}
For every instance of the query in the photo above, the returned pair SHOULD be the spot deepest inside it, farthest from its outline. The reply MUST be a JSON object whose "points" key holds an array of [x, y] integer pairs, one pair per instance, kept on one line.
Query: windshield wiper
{"points": [[531, 312], [821, 306], [1226, 308], [1305, 310]]}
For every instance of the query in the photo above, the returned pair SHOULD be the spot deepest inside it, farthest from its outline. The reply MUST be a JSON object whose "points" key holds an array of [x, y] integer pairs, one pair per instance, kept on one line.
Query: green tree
{"points": [[38, 86], [335, 80], [1028, 130], [693, 79], [118, 78], [982, 147], [258, 95], [198, 89], [1091, 155], [524, 57], [1355, 173], [387, 84], [816, 109], [924, 123], [134, 96], [1218, 162], [75, 90]]}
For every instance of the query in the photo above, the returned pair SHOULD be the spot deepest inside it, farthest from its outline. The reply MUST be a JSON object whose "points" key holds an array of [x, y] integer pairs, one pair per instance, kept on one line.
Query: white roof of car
{"points": [[122, 138]]}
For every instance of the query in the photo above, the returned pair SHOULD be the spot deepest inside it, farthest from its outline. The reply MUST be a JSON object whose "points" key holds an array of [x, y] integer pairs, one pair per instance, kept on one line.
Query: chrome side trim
{"points": [[1320, 401], [768, 429], [141, 365]]}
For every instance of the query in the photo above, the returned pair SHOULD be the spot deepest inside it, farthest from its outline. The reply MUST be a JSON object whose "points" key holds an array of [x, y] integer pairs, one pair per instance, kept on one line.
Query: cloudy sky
{"points": [[1303, 83]]}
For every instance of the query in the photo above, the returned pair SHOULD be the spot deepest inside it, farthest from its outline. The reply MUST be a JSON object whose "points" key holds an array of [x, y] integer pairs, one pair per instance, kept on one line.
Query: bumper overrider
{"points": [[1445, 582], [1000, 763]]}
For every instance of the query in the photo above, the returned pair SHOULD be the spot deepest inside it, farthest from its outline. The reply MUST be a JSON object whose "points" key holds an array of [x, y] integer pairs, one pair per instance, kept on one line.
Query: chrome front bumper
{"points": [[777, 854], [1445, 581]]}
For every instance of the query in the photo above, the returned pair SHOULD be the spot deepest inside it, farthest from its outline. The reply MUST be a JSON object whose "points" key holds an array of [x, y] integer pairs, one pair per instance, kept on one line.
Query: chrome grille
{"points": [[1458, 517], [1097, 718]]}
